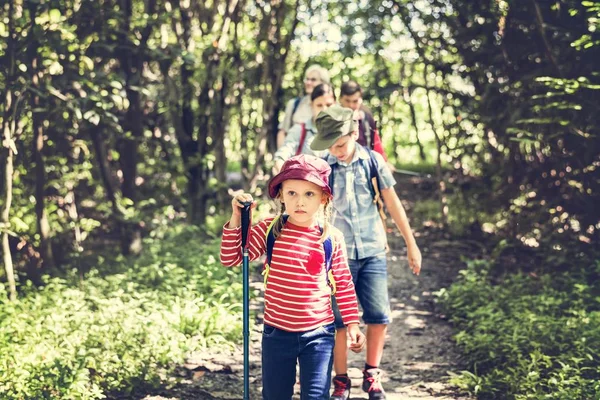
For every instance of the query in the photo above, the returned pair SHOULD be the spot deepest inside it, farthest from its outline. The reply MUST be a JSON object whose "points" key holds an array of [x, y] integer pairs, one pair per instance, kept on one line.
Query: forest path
{"points": [[419, 353]]}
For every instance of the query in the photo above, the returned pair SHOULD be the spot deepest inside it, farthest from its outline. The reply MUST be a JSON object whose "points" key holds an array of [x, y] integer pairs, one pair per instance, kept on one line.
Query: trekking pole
{"points": [[412, 173], [246, 295]]}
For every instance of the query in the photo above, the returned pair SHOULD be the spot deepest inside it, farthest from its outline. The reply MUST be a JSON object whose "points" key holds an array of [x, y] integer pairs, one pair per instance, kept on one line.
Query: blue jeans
{"points": [[282, 350], [370, 281]]}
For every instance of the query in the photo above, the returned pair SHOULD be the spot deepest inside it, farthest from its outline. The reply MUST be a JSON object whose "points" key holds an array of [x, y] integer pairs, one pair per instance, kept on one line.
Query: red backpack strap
{"points": [[302, 139]]}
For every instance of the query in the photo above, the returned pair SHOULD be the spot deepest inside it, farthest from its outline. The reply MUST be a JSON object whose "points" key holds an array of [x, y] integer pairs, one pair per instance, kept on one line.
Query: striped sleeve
{"points": [[345, 294], [231, 243]]}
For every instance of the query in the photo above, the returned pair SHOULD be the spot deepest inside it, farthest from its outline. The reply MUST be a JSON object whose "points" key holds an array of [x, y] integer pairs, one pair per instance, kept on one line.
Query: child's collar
{"points": [[359, 153]]}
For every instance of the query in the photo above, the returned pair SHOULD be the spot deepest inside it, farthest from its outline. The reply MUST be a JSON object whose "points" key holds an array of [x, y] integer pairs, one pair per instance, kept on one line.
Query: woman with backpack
{"points": [[298, 110], [301, 135], [306, 264]]}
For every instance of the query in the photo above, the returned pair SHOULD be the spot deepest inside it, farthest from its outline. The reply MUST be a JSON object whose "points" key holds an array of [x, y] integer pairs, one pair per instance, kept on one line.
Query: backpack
{"points": [[372, 171], [327, 248], [367, 131]]}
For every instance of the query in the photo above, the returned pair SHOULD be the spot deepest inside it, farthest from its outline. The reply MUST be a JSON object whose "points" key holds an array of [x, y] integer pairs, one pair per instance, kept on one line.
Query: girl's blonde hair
{"points": [[322, 72], [278, 225]]}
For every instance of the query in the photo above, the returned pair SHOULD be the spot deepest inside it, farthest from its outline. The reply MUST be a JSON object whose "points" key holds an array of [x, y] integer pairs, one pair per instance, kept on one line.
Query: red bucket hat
{"points": [[303, 167]]}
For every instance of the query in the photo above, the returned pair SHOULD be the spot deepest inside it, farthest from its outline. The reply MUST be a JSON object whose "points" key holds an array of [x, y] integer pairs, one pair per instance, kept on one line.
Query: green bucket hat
{"points": [[332, 123]]}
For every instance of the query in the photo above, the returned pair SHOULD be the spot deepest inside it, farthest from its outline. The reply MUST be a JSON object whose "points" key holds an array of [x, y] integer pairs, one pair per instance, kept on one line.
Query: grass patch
{"points": [[128, 321], [527, 337]]}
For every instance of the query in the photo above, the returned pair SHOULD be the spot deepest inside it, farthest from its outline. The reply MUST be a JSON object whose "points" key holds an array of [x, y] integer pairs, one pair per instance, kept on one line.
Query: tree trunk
{"points": [[542, 31], [8, 147], [220, 129], [185, 122], [438, 164], [278, 46], [407, 92], [132, 64], [441, 183], [40, 185], [38, 125], [110, 187]]}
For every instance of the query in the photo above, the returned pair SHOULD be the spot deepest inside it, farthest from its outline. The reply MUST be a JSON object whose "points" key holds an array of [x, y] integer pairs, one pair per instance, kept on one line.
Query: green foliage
{"points": [[123, 323], [527, 337], [536, 98], [175, 92], [463, 213]]}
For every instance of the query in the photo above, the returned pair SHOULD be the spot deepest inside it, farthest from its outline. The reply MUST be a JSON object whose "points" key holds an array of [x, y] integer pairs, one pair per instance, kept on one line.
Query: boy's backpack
{"points": [[372, 172], [327, 248]]}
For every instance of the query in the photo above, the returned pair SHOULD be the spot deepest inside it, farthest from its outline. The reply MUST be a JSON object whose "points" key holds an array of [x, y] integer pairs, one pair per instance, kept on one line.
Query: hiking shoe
{"points": [[341, 388], [372, 384]]}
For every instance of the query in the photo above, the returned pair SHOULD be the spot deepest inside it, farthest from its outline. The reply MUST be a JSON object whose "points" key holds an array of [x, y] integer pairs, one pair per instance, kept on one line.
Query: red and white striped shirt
{"points": [[297, 297]]}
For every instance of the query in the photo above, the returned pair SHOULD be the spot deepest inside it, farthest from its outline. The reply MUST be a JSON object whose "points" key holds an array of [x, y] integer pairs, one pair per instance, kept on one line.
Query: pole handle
{"points": [[245, 222]]}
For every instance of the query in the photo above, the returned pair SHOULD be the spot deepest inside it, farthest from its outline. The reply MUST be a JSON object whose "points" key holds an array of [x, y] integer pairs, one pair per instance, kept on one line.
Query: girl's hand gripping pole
{"points": [[246, 212]]}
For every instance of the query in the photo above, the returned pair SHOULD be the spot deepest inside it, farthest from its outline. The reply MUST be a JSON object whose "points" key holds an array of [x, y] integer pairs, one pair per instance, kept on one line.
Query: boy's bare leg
{"points": [[340, 352], [375, 342]]}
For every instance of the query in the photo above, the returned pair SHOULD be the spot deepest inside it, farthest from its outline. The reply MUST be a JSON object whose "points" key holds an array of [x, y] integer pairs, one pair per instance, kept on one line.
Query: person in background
{"points": [[301, 135], [298, 109], [351, 96]]}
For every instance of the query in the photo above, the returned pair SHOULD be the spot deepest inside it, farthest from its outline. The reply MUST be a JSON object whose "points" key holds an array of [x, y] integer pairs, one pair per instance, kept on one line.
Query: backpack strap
{"points": [[271, 237], [368, 134], [375, 184], [331, 174], [270, 243], [302, 138], [297, 101], [373, 172], [327, 248]]}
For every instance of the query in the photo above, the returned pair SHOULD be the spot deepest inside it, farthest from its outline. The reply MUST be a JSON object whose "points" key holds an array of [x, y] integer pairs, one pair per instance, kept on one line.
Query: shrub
{"points": [[527, 337], [124, 323]]}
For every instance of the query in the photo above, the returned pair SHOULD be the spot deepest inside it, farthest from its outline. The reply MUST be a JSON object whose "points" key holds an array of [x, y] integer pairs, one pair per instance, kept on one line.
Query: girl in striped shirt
{"points": [[301, 277]]}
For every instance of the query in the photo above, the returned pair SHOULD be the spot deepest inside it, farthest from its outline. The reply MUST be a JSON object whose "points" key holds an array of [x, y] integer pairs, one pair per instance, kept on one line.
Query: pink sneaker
{"points": [[372, 384], [341, 388]]}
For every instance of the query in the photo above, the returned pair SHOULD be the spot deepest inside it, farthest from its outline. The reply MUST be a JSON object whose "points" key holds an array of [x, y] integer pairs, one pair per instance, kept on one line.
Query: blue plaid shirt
{"points": [[354, 212]]}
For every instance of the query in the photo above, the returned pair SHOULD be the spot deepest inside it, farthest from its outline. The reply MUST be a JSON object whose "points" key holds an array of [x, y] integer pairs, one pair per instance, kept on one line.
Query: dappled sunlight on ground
{"points": [[419, 354]]}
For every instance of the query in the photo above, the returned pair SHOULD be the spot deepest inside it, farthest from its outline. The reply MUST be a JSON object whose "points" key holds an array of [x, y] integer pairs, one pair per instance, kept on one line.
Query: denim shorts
{"points": [[371, 284]]}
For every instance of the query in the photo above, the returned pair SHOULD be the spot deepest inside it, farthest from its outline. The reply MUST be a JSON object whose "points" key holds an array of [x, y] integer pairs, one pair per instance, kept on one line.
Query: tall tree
{"points": [[131, 51], [9, 105], [39, 110], [278, 24]]}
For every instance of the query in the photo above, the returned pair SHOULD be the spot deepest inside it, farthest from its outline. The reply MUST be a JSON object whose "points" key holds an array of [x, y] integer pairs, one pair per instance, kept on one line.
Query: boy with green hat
{"points": [[356, 214]]}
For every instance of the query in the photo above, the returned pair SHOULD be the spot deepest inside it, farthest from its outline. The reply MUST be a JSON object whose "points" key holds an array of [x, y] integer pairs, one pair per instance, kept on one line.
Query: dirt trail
{"points": [[419, 352]]}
